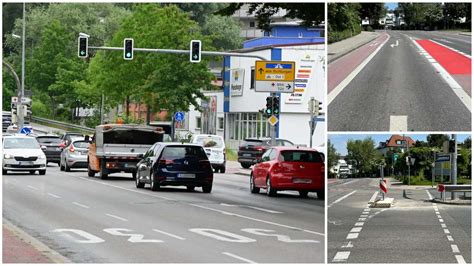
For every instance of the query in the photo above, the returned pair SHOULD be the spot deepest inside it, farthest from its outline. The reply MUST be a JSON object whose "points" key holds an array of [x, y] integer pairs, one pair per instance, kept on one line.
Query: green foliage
{"points": [[333, 156], [435, 15], [230, 154], [343, 21], [40, 109], [437, 140], [224, 32], [363, 155]]}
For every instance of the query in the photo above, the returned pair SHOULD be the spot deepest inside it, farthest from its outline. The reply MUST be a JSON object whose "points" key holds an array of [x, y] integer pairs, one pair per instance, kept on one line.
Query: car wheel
{"points": [[42, 172], [32, 172], [66, 167], [90, 173], [103, 172], [134, 175], [139, 184], [253, 188], [320, 194], [61, 166], [190, 188], [270, 190], [223, 170], [245, 165], [207, 188], [154, 186], [303, 194], [216, 170], [4, 172]]}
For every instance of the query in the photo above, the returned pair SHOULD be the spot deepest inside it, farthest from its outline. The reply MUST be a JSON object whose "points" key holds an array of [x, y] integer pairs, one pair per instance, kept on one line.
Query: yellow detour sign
{"points": [[274, 76]]}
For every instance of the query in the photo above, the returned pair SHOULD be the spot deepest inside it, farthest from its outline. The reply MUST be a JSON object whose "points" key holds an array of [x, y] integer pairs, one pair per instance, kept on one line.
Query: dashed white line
{"points": [[341, 198], [341, 256], [54, 196], [460, 259], [348, 182], [443, 225], [117, 217], [455, 248], [32, 187], [441, 220], [238, 257], [356, 230], [81, 205], [450, 238], [347, 245], [446, 231], [252, 207], [372, 199], [431, 198], [362, 219], [352, 235], [169, 234], [359, 224]]}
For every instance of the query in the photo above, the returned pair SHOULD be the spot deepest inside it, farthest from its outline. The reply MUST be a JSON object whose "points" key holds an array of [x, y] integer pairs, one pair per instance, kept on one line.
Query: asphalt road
{"points": [[408, 232], [400, 90], [452, 39], [92, 220]]}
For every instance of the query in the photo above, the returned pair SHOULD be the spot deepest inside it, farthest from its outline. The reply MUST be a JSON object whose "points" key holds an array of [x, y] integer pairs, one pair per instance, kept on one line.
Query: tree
{"points": [[364, 155], [437, 140], [333, 156], [343, 21], [373, 11], [224, 32], [200, 12], [311, 14], [467, 143], [165, 81]]}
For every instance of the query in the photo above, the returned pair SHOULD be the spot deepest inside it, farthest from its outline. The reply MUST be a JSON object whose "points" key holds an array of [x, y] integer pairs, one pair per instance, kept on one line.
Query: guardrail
{"points": [[61, 125], [453, 188]]}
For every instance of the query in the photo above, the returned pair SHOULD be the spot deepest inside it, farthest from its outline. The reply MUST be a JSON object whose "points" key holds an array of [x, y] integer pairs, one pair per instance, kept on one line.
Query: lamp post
{"points": [[21, 93]]}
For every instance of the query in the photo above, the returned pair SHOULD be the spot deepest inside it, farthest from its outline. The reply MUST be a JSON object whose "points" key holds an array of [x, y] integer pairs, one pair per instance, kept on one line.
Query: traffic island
{"points": [[385, 203]]}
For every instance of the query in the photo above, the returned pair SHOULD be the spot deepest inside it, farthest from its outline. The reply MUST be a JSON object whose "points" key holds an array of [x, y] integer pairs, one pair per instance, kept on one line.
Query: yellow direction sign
{"points": [[275, 71], [273, 120]]}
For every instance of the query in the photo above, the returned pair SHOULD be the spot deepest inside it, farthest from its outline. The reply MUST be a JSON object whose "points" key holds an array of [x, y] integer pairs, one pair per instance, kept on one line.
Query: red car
{"points": [[289, 168]]}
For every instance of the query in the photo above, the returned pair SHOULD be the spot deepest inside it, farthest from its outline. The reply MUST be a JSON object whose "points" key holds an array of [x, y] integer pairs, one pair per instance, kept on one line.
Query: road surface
{"points": [[413, 230], [91, 220], [395, 83]]}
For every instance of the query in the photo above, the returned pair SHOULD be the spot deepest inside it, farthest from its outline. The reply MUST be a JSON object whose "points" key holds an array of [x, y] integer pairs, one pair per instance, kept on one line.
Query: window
{"points": [[252, 78], [247, 125], [266, 155], [252, 24], [220, 123], [198, 122]]}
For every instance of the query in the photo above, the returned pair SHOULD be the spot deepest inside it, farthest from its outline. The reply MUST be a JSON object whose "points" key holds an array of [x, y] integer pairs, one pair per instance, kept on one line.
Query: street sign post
{"points": [[179, 116], [274, 76]]}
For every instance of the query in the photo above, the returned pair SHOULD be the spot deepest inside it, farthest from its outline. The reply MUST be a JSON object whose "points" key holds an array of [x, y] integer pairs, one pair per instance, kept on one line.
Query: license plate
{"points": [[247, 155], [26, 163], [187, 175], [302, 181]]}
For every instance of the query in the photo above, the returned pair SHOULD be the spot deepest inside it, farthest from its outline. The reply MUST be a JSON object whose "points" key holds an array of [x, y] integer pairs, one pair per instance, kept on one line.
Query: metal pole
{"points": [[21, 115], [102, 110], [454, 174], [433, 169], [273, 128], [409, 159], [381, 176]]}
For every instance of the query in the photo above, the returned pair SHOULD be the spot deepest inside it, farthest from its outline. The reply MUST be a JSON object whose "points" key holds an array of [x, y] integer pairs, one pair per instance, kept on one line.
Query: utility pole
{"points": [[454, 174], [20, 111]]}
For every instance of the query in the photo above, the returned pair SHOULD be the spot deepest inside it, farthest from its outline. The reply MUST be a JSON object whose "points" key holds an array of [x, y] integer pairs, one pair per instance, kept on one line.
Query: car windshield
{"points": [[210, 142], [173, 153], [48, 139], [251, 143], [301, 156], [81, 144], [20, 143]]}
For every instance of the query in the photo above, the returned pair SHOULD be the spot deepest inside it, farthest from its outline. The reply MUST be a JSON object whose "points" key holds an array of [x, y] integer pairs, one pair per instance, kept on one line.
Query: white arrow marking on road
{"points": [[168, 234], [238, 257], [394, 44], [88, 238], [251, 207]]}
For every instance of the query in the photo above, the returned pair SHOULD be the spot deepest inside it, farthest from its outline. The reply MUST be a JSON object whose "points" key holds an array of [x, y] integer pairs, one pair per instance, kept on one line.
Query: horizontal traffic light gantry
{"points": [[128, 49]]}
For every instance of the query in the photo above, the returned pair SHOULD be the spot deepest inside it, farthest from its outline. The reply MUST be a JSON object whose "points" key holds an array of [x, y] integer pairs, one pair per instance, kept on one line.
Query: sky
{"points": [[391, 6], [339, 140]]}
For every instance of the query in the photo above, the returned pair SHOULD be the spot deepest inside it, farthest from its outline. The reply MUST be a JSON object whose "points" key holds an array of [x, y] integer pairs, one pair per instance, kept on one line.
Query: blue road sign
{"points": [[25, 130], [284, 66], [443, 157], [179, 116]]}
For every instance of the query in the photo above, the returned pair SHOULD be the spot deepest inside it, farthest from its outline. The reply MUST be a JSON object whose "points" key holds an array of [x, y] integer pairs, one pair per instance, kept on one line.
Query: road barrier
{"points": [[383, 186], [61, 125], [453, 188]]}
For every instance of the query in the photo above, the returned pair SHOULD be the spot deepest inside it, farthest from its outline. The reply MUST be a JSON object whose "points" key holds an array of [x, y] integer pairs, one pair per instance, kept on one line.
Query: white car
{"points": [[214, 146], [23, 153]]}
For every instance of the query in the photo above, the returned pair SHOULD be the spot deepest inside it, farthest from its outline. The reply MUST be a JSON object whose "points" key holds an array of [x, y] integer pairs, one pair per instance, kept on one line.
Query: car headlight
{"points": [[42, 156], [7, 156]]}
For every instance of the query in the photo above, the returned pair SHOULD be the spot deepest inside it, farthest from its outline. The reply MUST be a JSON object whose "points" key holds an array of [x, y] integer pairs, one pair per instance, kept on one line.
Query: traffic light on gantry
{"points": [[128, 49], [83, 47], [269, 106], [195, 51], [276, 105]]}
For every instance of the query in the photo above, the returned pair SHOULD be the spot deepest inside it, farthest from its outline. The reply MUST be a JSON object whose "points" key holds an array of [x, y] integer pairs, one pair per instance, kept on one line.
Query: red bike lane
{"points": [[18, 250]]}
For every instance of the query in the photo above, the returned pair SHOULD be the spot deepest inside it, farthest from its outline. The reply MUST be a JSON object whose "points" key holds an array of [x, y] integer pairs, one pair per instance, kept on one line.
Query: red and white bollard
{"points": [[383, 188]]}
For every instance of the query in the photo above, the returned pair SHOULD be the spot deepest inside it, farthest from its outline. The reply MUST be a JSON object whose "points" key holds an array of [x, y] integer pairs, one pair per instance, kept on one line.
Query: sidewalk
{"points": [[338, 49], [234, 167], [19, 247]]}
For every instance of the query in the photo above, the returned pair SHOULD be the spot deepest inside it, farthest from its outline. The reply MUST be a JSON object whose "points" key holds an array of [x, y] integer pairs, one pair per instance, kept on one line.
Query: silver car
{"points": [[74, 155]]}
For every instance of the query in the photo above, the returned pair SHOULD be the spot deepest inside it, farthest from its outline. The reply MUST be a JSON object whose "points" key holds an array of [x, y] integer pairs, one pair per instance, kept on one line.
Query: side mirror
{"points": [[140, 156], [43, 148]]}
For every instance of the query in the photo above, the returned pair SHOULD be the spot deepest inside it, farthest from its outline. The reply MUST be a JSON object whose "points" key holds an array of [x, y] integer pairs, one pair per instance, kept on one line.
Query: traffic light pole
{"points": [[20, 111], [273, 128], [454, 170]]}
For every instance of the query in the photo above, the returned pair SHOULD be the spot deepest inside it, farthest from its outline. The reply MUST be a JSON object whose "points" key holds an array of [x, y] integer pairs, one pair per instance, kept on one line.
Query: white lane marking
{"points": [[54, 196], [372, 199], [439, 217], [359, 224], [338, 89], [446, 231], [222, 235], [457, 89], [367, 210], [437, 212], [362, 219], [398, 123], [81, 205], [168, 234], [450, 238], [356, 230], [341, 256], [257, 220], [341, 198], [455, 249], [117, 217], [394, 44], [441, 220], [460, 259], [443, 225], [251, 207], [431, 198], [352, 235], [347, 245], [352, 181], [87, 237], [455, 50], [32, 187], [238, 257]]}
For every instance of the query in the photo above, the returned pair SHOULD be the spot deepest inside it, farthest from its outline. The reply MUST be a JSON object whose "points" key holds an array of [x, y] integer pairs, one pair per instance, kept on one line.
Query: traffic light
{"points": [[128, 48], [268, 108], [195, 51], [452, 146], [276, 105], [317, 107], [83, 47]]}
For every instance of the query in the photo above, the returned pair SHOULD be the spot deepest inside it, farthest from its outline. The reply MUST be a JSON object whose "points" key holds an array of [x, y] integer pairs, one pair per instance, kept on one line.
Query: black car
{"points": [[53, 148], [252, 149], [175, 164], [6, 120]]}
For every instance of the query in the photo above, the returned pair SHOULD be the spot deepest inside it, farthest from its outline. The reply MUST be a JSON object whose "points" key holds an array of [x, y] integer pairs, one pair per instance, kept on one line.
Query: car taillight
{"points": [[323, 169], [259, 148], [165, 162], [71, 149], [62, 144]]}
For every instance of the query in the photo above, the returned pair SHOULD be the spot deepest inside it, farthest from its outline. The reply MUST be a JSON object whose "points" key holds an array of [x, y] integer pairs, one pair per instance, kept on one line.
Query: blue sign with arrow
{"points": [[25, 130], [179, 116]]}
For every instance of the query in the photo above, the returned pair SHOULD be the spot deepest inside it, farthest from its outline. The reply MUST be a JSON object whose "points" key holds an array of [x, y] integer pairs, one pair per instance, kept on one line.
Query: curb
{"points": [[54, 256], [350, 50], [466, 34], [452, 202]]}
